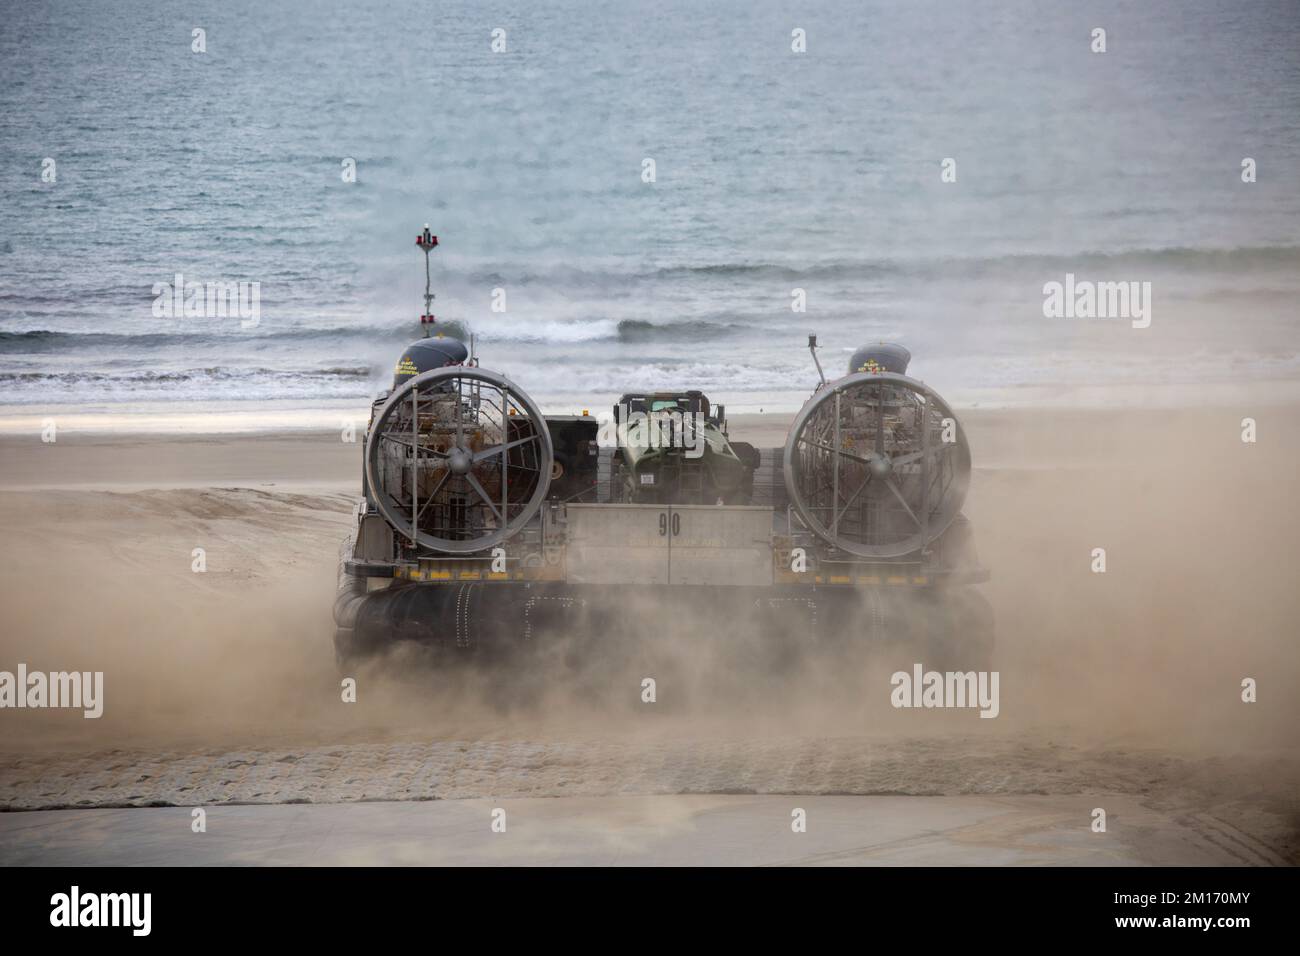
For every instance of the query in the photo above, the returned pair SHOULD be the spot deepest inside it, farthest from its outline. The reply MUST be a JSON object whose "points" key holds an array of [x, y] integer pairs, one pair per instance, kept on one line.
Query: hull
{"points": [[505, 619]]}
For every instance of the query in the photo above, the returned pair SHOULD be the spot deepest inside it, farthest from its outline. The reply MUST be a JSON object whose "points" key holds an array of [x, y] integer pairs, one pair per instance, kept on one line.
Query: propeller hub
{"points": [[459, 461]]}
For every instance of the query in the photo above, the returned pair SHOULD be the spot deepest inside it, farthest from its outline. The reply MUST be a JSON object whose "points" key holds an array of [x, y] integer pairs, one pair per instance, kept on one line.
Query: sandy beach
{"points": [[221, 687]]}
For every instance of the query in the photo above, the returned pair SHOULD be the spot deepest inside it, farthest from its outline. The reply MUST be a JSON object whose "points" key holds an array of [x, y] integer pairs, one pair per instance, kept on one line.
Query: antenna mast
{"points": [[428, 242], [812, 347]]}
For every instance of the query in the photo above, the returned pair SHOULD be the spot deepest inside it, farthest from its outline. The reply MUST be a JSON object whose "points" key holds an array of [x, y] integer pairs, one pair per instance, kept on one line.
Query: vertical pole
{"points": [[925, 471], [428, 293], [415, 463], [835, 480], [505, 455]]}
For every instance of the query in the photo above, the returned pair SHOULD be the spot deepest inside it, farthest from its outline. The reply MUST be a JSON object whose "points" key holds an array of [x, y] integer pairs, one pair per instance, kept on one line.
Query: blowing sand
{"points": [[221, 686]]}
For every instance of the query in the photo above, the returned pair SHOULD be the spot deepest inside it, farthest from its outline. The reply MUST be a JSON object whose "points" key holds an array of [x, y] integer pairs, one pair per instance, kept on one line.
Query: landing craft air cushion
{"points": [[484, 523]]}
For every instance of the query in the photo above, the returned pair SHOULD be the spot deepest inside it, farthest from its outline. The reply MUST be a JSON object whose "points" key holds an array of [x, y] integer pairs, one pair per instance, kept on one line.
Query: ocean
{"points": [[302, 146]]}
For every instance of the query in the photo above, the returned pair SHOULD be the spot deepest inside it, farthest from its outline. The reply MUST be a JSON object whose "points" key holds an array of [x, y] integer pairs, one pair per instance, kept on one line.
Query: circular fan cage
{"points": [[458, 460], [877, 465]]}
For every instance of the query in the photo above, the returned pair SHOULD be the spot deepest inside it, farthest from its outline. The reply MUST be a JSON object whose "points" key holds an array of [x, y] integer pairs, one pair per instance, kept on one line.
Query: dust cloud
{"points": [[1127, 680]]}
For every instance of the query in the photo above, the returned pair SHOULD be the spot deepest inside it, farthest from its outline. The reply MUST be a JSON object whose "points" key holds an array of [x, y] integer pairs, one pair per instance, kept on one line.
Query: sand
{"points": [[642, 830], [221, 686]]}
